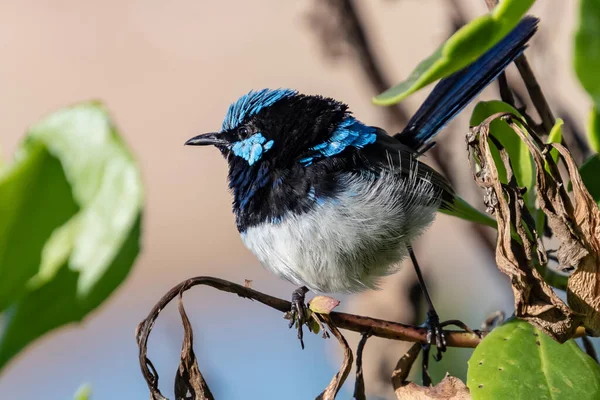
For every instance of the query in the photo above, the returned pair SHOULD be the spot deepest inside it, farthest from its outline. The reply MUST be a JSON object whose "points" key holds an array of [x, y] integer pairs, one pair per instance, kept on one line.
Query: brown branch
{"points": [[356, 323], [335, 320], [351, 322]]}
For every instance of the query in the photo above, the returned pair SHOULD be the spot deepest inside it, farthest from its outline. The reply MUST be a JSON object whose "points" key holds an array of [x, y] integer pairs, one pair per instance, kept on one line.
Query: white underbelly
{"points": [[346, 245]]}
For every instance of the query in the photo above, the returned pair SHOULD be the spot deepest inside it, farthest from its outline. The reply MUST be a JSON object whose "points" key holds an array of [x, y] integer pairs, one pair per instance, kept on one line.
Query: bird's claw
{"points": [[435, 334], [298, 312]]}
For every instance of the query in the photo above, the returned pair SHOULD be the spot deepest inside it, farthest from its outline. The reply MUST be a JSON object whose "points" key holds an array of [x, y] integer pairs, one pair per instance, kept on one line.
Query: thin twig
{"points": [[535, 92], [506, 93], [359, 384], [533, 87], [588, 346]]}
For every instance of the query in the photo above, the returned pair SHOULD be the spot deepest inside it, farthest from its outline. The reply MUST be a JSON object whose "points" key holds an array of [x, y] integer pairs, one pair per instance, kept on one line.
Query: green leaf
{"points": [[586, 61], [518, 361], [590, 171], [587, 48], [521, 160], [462, 209], [69, 226], [593, 128], [461, 49], [555, 136]]}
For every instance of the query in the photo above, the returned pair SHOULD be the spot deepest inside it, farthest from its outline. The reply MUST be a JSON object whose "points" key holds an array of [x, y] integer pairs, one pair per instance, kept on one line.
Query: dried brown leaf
{"points": [[450, 388], [582, 250], [338, 380], [535, 301], [189, 382], [404, 365]]}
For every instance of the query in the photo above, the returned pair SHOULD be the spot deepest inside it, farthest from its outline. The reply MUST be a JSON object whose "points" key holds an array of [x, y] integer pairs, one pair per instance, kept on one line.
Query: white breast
{"points": [[345, 245]]}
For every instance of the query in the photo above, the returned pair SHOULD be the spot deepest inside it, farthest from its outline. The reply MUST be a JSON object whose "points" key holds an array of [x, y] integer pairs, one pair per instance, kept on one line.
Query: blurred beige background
{"points": [[168, 71]]}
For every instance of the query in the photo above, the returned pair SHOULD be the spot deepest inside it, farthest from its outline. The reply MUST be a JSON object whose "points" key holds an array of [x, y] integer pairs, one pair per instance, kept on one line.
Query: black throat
{"points": [[262, 194]]}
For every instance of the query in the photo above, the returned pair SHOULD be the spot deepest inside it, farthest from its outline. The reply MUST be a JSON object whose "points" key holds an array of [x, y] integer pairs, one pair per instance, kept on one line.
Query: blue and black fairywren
{"points": [[330, 203]]}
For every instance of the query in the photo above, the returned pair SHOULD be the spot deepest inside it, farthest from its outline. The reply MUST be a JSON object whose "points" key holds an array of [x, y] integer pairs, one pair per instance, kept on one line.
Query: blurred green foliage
{"points": [[70, 215], [586, 61]]}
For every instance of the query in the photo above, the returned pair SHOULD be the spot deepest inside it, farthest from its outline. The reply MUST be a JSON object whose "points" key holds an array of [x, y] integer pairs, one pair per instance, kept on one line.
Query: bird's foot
{"points": [[435, 334], [299, 312]]}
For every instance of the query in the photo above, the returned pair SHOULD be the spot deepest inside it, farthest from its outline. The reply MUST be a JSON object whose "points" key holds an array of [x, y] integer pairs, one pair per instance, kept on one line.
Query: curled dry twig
{"points": [[189, 382], [340, 377], [576, 226], [188, 369], [189, 377]]}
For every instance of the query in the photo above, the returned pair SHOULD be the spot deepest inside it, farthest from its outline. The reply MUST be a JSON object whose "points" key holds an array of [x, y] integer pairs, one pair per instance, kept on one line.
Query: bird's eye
{"points": [[243, 131]]}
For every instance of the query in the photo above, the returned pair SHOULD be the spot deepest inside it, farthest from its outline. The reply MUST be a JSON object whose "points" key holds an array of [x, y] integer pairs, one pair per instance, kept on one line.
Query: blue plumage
{"points": [[252, 148], [251, 103], [349, 133]]}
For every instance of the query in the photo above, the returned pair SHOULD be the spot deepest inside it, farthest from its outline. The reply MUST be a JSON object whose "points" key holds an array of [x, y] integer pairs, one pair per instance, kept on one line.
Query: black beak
{"points": [[207, 139]]}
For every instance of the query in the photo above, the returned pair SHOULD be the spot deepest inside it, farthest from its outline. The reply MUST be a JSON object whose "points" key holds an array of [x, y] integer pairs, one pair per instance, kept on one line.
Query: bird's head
{"points": [[270, 138], [281, 127]]}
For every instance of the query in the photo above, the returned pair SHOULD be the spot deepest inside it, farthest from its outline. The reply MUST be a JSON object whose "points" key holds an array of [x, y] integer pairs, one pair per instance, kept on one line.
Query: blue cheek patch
{"points": [[252, 149], [349, 133]]}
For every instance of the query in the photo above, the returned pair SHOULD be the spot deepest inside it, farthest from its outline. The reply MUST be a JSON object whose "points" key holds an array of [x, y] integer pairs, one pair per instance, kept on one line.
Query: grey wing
{"points": [[388, 153]]}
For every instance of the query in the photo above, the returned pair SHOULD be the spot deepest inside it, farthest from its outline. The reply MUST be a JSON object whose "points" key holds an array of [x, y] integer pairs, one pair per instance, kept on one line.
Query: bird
{"points": [[332, 204]]}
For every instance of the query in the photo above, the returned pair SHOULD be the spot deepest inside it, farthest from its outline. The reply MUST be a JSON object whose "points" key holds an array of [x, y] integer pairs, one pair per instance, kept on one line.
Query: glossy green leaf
{"points": [[521, 160], [590, 173], [70, 217], [460, 50], [593, 128], [518, 361]]}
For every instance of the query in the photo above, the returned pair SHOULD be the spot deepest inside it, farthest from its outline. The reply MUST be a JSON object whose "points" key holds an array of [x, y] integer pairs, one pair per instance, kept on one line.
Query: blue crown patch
{"points": [[251, 103]]}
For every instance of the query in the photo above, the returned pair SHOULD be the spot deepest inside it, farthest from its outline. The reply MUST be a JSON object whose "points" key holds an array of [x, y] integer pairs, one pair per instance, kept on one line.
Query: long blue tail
{"points": [[453, 93]]}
